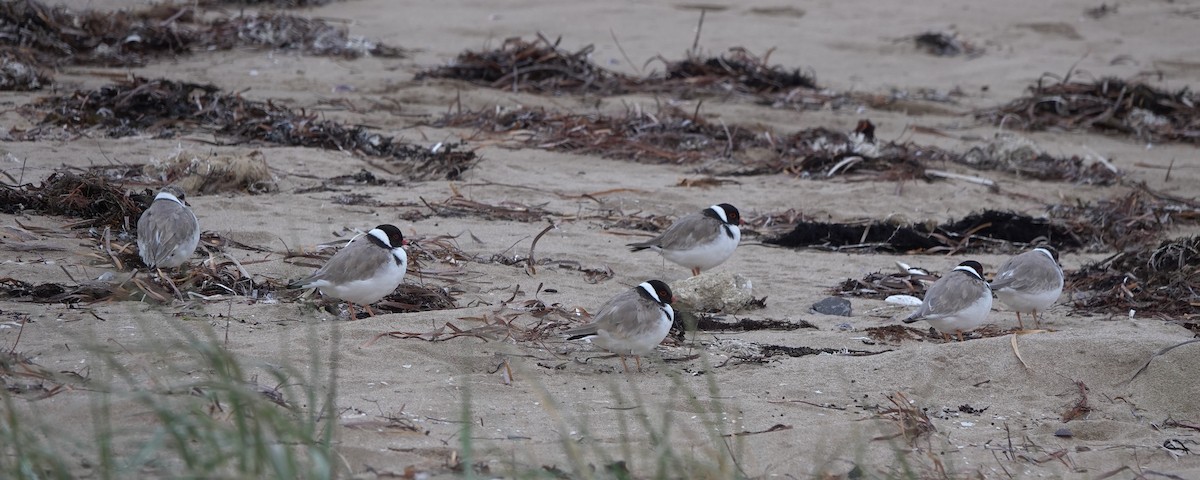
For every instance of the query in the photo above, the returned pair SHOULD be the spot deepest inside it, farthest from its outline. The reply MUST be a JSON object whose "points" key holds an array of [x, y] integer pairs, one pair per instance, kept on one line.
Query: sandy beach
{"points": [[1065, 401]]}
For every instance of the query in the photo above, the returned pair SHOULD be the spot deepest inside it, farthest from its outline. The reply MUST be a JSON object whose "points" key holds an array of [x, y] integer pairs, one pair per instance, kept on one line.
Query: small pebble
{"points": [[1064, 433]]}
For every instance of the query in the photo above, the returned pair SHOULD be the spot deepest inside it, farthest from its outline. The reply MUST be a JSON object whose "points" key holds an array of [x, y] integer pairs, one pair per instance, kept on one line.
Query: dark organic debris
{"points": [[91, 197], [1019, 156], [773, 350], [1120, 222], [738, 72], [946, 44], [290, 32], [674, 136], [897, 334], [1106, 105], [271, 3], [670, 136], [1102, 11], [538, 66], [459, 206], [59, 36], [1081, 407], [416, 298], [879, 285], [18, 290], [710, 323], [968, 409], [162, 107], [1147, 281], [912, 421], [19, 72], [989, 230]]}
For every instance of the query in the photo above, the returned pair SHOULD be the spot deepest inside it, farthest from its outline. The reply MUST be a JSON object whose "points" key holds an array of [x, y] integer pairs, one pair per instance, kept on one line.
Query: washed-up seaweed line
{"points": [[59, 35], [160, 107], [1105, 105], [1159, 280], [540, 66]]}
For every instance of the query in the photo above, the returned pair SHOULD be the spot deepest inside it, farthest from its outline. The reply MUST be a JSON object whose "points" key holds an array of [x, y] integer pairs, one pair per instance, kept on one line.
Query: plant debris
{"points": [[1081, 407], [59, 36], [912, 421], [459, 206], [271, 3], [91, 197], [1020, 156], [879, 285], [773, 350], [161, 107], [1105, 105], [210, 173], [1120, 222], [673, 136], [712, 323], [417, 298], [989, 230], [738, 72], [946, 44], [897, 334], [19, 72], [1143, 282], [676, 137], [538, 66]]}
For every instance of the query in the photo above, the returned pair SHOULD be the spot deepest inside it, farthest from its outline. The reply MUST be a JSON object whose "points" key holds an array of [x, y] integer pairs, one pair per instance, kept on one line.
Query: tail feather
{"points": [[580, 332], [637, 247]]}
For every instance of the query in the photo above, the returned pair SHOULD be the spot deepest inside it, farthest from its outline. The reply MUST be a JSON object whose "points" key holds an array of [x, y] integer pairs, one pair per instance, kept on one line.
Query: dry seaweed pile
{"points": [[738, 72], [987, 231], [90, 197], [1020, 156], [1136, 218], [271, 3], [674, 136], [1160, 281], [1106, 105], [946, 44], [160, 107], [56, 36], [880, 285], [670, 136], [538, 66], [416, 298], [19, 71], [823, 153], [289, 32]]}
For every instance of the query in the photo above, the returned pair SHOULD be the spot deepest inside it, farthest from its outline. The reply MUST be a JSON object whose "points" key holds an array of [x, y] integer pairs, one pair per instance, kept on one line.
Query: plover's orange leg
{"points": [[1019, 322], [960, 337], [695, 271]]}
